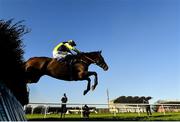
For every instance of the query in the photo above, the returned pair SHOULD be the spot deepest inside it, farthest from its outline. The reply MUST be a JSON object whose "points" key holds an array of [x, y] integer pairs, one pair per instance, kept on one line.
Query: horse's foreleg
{"points": [[85, 76], [95, 79], [88, 86]]}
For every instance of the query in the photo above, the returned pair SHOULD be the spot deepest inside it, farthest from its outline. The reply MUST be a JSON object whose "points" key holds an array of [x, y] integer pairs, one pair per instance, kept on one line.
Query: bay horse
{"points": [[36, 67]]}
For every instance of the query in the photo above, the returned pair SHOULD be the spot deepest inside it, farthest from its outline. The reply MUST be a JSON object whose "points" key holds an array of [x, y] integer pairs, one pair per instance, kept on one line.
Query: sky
{"points": [[139, 39]]}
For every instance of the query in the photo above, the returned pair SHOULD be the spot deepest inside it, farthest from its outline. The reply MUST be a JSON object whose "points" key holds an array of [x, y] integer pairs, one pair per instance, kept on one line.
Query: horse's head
{"points": [[100, 61], [97, 58]]}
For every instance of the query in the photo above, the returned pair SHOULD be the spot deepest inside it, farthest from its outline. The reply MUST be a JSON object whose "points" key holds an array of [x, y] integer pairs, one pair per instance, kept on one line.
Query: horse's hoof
{"points": [[93, 87], [85, 92]]}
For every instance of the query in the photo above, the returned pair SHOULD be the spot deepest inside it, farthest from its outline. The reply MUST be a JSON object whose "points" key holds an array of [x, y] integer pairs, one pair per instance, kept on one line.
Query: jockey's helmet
{"points": [[71, 42]]}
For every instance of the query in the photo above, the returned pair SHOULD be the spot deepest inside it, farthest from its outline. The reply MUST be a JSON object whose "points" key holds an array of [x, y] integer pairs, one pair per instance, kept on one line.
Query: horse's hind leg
{"points": [[32, 75], [88, 86]]}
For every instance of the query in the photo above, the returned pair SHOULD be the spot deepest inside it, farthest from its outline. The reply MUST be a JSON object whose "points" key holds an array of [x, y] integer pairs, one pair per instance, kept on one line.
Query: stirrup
{"points": [[70, 77]]}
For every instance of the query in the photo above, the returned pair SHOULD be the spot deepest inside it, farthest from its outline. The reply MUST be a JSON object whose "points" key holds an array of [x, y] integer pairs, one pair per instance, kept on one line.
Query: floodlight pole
{"points": [[108, 97]]}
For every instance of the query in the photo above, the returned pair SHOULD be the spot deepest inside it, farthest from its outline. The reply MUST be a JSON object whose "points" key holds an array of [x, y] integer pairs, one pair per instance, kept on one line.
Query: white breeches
{"points": [[60, 55]]}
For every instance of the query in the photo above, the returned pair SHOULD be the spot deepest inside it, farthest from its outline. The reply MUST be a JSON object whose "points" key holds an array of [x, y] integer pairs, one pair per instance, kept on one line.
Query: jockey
{"points": [[63, 49]]}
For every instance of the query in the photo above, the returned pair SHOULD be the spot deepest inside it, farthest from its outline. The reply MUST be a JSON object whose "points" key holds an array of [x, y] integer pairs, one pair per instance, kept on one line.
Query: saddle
{"points": [[67, 60]]}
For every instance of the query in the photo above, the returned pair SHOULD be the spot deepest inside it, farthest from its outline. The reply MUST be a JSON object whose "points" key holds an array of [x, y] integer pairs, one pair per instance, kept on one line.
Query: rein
{"points": [[90, 59]]}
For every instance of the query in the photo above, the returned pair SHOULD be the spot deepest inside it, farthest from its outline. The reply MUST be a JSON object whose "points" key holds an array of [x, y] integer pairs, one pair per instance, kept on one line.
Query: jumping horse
{"points": [[36, 67]]}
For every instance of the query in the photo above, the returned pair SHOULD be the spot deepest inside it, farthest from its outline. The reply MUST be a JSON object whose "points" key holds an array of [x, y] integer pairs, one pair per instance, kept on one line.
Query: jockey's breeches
{"points": [[60, 54]]}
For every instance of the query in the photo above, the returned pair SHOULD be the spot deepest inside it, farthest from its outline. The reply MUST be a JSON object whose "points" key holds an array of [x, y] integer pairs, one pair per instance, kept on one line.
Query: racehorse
{"points": [[76, 70]]}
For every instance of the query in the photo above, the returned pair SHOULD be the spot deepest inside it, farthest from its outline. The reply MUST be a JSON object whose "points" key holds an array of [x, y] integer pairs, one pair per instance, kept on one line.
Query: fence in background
{"points": [[114, 109]]}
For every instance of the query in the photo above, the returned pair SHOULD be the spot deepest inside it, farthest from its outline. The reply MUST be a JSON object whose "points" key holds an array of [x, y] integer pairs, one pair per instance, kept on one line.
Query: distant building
{"points": [[168, 106], [124, 104]]}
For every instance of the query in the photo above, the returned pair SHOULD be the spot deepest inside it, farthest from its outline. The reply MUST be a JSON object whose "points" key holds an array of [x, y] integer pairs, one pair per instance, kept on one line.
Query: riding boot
{"points": [[69, 59], [70, 70]]}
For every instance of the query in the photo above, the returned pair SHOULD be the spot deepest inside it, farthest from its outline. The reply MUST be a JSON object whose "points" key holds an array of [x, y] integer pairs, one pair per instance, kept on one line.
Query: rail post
{"points": [[81, 110], [163, 109], [45, 111], [138, 110], [114, 111]]}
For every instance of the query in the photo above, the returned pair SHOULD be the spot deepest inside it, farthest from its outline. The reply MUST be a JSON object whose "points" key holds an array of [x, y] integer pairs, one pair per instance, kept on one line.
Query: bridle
{"points": [[93, 61], [90, 59], [98, 62]]}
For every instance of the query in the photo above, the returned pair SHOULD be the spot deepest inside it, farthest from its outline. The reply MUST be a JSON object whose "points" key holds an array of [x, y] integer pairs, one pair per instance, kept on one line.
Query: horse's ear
{"points": [[100, 51]]}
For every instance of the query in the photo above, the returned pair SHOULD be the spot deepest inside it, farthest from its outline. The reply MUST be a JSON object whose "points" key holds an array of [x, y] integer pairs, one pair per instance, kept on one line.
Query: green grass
{"points": [[121, 116]]}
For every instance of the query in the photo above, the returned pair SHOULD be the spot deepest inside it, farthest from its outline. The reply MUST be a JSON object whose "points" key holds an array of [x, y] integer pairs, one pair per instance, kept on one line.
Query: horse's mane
{"points": [[90, 52], [93, 52]]}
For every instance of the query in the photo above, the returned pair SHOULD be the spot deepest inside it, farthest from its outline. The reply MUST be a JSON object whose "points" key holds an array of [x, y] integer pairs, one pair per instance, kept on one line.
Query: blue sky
{"points": [[139, 39]]}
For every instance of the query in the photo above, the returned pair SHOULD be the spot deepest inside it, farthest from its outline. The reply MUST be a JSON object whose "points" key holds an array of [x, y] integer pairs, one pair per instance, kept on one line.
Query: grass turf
{"points": [[111, 117]]}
